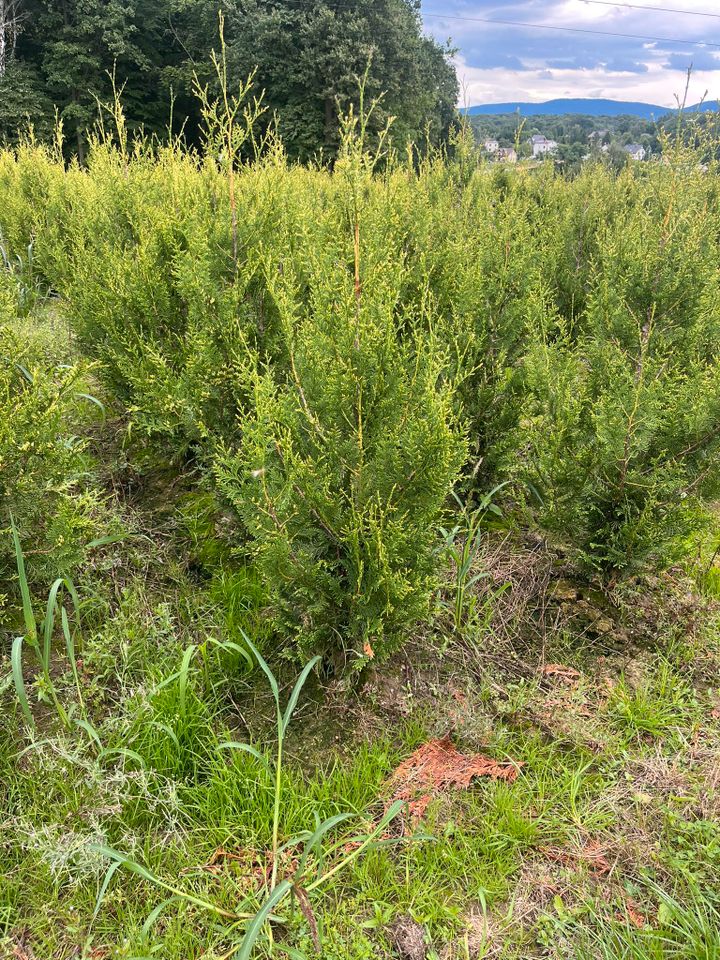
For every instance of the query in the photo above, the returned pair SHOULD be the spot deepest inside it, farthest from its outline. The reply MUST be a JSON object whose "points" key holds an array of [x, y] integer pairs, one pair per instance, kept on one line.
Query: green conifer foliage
{"points": [[621, 432], [344, 465]]}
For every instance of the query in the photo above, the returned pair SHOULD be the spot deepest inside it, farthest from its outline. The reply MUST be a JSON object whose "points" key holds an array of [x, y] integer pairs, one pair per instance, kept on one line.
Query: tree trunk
{"points": [[80, 146], [3, 40], [10, 17], [329, 123]]}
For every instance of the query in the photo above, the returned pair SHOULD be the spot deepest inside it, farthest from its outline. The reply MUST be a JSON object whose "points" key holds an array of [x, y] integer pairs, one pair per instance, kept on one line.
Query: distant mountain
{"points": [[707, 105], [588, 108]]}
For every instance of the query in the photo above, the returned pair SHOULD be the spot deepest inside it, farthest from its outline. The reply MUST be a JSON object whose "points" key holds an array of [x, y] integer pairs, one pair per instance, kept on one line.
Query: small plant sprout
{"points": [[229, 122], [462, 546]]}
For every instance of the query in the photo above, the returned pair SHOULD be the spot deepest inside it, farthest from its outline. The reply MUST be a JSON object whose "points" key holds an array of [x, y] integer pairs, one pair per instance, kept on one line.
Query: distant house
{"points": [[597, 136], [541, 145], [636, 151], [507, 154], [491, 146]]}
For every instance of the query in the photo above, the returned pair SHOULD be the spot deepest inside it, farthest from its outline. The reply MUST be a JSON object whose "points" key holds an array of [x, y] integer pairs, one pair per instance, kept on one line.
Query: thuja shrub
{"points": [[344, 464], [620, 437], [569, 218], [293, 325], [43, 460], [155, 254], [163, 281], [143, 264], [29, 176], [486, 277]]}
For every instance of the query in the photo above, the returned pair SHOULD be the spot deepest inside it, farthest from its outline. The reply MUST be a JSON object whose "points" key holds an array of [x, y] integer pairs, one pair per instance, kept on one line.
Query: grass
{"points": [[174, 797], [168, 793], [620, 760], [304, 860], [31, 637], [655, 707], [462, 545]]}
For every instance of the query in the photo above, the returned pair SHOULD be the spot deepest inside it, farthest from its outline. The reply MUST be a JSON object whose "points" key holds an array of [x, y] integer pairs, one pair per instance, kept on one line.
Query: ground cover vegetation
{"points": [[357, 550]]}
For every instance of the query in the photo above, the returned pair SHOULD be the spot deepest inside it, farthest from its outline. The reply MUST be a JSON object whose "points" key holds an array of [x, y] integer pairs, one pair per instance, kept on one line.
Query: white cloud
{"points": [[659, 85], [552, 60], [575, 13], [628, 19]]}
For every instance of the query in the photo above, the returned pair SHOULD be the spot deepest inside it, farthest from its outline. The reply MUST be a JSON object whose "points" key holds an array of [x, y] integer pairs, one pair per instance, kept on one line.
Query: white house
{"points": [[491, 146], [507, 154], [541, 145], [636, 151]]}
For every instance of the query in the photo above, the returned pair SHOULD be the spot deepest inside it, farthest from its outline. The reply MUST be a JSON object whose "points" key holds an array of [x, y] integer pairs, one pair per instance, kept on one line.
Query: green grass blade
{"points": [[152, 917], [316, 838], [183, 677], [299, 684], [167, 730], [166, 682], [70, 650], [49, 625], [134, 867], [23, 370], [488, 498], [110, 538], [111, 871], [90, 731], [389, 815], [28, 615], [247, 748], [70, 587], [266, 670], [476, 579], [124, 752], [258, 921], [235, 647], [16, 663], [92, 399]]}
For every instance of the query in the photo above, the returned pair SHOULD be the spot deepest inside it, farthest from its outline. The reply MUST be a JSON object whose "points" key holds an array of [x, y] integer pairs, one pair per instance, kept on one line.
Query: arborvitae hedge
{"points": [[367, 337]]}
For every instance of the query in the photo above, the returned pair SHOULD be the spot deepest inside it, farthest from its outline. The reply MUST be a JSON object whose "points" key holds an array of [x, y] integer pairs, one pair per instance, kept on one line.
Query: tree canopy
{"points": [[307, 58]]}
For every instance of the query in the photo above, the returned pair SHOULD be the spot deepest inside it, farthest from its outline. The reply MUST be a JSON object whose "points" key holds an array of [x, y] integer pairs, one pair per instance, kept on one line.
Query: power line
{"points": [[636, 6], [549, 26], [349, 5]]}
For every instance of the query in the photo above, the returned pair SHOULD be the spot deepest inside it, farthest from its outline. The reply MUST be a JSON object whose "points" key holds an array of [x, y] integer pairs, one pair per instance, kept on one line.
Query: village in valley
{"points": [[538, 146]]}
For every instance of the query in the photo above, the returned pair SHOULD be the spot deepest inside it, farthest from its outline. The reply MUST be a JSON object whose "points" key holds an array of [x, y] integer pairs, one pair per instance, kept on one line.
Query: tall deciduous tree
{"points": [[310, 56], [307, 56], [11, 16], [78, 45]]}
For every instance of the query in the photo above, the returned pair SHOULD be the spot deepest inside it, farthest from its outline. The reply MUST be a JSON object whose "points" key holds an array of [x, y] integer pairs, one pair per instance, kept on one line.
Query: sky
{"points": [[496, 63]]}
